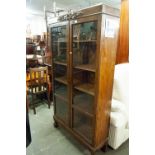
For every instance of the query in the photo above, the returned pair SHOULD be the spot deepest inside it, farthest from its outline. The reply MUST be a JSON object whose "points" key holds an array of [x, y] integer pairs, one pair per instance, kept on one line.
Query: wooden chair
{"points": [[38, 84]]}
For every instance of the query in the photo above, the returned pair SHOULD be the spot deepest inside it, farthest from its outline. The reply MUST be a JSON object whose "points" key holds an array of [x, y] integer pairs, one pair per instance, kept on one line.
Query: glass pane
{"points": [[84, 46], [60, 73], [85, 31], [61, 109], [59, 44], [84, 81], [59, 55], [84, 66], [61, 90], [83, 101], [83, 125]]}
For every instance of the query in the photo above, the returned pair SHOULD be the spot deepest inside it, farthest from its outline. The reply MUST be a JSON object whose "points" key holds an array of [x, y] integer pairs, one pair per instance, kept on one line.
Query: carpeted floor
{"points": [[47, 140]]}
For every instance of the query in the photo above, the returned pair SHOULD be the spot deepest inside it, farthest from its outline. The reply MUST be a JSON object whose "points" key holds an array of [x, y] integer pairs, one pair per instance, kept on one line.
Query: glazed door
{"points": [[59, 45], [84, 49]]}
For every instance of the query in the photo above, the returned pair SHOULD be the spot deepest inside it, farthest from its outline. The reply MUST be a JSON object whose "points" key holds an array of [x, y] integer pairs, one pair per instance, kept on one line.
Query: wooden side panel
{"points": [[90, 10], [98, 9], [123, 43], [109, 10], [107, 57]]}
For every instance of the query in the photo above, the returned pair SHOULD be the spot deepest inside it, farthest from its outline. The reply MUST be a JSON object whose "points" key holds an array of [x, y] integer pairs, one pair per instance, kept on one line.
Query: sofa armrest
{"points": [[119, 114]]}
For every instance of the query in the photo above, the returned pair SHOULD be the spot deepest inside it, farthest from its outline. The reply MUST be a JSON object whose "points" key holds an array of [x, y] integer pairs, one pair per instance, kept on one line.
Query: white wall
{"points": [[35, 24]]}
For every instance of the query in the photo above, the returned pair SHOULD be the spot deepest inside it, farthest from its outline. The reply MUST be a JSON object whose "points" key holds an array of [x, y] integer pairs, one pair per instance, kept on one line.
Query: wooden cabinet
{"points": [[123, 41], [83, 57]]}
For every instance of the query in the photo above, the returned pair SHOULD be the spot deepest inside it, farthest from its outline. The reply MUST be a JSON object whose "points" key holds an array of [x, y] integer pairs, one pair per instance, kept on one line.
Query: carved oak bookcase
{"points": [[83, 49]]}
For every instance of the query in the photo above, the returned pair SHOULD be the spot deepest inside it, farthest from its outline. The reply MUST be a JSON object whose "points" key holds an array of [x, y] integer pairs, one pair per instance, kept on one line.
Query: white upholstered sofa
{"points": [[119, 122]]}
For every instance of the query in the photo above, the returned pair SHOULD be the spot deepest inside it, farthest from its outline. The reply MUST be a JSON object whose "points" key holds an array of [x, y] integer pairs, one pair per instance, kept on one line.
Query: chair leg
{"points": [[55, 124], [27, 103], [33, 105], [48, 97], [34, 110]]}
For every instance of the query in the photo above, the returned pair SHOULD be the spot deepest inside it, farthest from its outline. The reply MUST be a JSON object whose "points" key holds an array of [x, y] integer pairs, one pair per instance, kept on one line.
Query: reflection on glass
{"points": [[60, 73], [59, 55], [85, 81], [59, 43], [61, 109], [84, 46], [84, 31], [84, 67], [83, 102], [61, 90], [83, 125]]}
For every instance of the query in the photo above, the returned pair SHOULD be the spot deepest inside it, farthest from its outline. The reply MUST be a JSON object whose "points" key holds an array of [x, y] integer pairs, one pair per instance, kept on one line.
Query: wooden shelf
{"points": [[86, 87], [88, 67], [84, 41], [60, 41], [62, 109], [82, 110], [62, 79], [83, 126], [60, 63], [84, 103], [63, 48], [61, 92], [61, 97]]}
